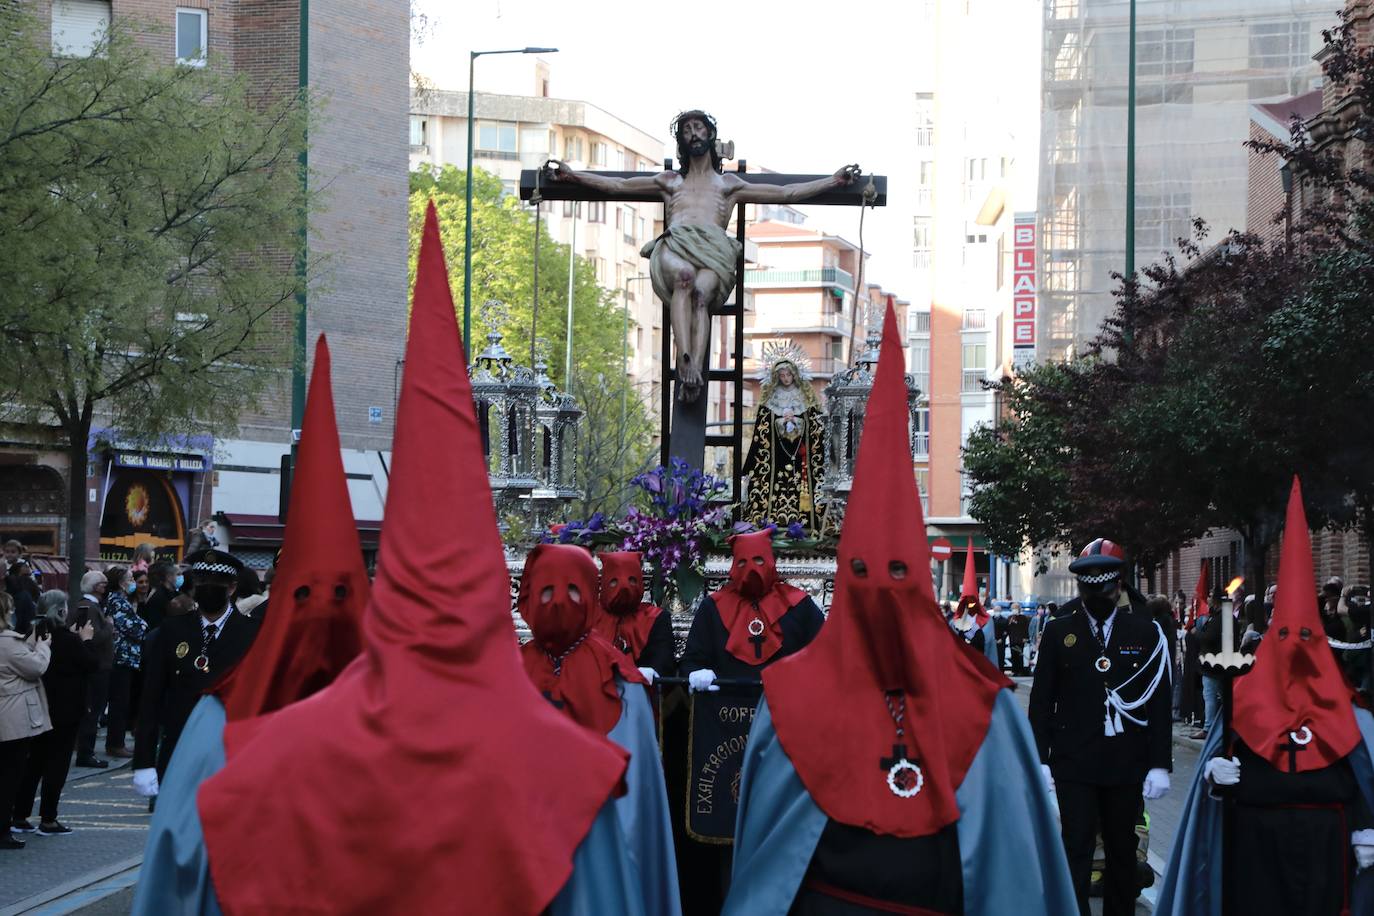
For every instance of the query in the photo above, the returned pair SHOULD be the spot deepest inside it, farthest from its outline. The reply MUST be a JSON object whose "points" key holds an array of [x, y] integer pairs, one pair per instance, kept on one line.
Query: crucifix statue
{"points": [[692, 264], [695, 265]]}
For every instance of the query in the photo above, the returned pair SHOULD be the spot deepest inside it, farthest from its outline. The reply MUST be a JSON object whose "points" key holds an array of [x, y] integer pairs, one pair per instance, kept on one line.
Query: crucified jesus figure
{"points": [[692, 264]]}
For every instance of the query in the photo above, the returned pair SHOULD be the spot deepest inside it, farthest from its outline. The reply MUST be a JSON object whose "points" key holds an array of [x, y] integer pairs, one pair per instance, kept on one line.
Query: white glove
{"points": [[1363, 843], [1156, 784], [649, 674], [145, 782], [1049, 779], [1223, 772], [701, 679]]}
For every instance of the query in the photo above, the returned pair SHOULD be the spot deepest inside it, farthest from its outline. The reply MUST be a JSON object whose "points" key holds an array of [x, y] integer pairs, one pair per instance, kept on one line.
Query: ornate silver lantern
{"points": [[556, 421], [846, 398], [506, 397]]}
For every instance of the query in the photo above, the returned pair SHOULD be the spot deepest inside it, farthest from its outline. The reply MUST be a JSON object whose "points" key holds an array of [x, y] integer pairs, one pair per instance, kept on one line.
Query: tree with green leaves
{"points": [[152, 220], [1020, 469], [613, 449]]}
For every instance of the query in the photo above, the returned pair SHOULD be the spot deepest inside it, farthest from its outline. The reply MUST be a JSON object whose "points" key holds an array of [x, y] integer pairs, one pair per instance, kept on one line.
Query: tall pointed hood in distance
{"points": [[1296, 692], [436, 718], [313, 626], [968, 591], [884, 641]]}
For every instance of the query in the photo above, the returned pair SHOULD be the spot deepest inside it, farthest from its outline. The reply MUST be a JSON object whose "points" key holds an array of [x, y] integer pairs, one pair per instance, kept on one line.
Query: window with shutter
{"points": [[79, 27]]}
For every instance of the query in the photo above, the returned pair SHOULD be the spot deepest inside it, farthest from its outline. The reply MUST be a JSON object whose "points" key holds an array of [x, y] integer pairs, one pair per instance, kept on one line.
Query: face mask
{"points": [[212, 598], [556, 596], [180, 581], [1099, 599], [131, 587], [754, 571]]}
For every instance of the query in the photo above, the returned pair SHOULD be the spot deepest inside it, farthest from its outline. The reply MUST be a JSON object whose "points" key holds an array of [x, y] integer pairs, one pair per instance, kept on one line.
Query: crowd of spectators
{"points": [[70, 666]]}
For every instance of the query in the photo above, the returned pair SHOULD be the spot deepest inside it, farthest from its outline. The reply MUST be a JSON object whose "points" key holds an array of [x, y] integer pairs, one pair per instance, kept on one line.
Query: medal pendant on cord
{"points": [[904, 778], [1103, 664], [202, 663], [756, 636]]}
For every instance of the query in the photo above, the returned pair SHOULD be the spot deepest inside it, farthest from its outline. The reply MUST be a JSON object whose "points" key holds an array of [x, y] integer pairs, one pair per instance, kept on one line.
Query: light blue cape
{"points": [[1009, 842], [627, 857], [1192, 881]]}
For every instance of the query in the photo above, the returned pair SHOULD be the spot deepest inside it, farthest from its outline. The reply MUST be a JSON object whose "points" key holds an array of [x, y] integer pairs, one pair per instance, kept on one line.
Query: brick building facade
{"points": [[356, 68]]}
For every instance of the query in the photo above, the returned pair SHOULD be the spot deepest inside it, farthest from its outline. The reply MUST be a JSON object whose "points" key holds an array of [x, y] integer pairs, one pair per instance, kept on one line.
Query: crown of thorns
{"points": [[689, 114]]}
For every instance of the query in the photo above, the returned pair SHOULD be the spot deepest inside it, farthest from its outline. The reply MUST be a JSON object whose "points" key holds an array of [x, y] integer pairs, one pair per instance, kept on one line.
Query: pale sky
{"points": [[800, 87]]}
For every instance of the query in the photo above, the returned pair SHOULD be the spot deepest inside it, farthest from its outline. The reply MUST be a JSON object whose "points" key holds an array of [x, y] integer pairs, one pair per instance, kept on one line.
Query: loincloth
{"points": [[704, 247]]}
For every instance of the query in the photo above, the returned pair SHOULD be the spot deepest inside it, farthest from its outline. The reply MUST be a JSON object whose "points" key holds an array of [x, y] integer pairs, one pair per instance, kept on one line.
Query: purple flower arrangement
{"points": [[680, 518]]}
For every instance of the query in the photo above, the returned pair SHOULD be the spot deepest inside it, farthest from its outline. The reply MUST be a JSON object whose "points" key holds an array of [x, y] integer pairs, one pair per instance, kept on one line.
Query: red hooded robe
{"points": [[314, 625], [430, 774], [624, 619], [1296, 691], [571, 664], [754, 600], [884, 647]]}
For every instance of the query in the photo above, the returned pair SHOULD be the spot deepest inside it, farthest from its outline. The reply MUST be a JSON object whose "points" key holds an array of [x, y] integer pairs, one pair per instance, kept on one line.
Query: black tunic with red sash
{"points": [[1293, 837]]}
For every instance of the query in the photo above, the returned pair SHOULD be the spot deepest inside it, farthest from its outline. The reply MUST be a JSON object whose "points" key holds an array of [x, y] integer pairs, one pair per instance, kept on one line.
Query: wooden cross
{"points": [[686, 437], [898, 755], [1292, 747]]}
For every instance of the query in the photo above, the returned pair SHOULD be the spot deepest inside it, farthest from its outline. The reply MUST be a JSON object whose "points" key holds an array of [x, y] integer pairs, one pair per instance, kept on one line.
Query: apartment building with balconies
{"points": [[515, 132]]}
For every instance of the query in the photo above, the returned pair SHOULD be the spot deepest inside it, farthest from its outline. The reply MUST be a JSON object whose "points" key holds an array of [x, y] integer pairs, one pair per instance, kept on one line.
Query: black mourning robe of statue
{"points": [[784, 465]]}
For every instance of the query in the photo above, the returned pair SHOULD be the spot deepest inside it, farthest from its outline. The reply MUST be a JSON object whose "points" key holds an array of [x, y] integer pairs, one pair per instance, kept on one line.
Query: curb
{"points": [[80, 891]]}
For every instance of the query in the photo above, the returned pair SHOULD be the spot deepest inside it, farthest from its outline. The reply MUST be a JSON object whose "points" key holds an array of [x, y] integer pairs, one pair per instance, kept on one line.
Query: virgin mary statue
{"points": [[787, 452]]}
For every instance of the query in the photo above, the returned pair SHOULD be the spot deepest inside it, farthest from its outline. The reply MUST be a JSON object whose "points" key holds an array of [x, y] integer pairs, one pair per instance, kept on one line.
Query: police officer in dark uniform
{"points": [[185, 657], [1100, 711]]}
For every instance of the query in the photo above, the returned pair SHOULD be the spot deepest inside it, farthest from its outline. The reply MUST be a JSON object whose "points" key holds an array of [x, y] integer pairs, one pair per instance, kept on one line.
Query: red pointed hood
{"points": [[885, 643], [1296, 692], [435, 723], [313, 628], [968, 593]]}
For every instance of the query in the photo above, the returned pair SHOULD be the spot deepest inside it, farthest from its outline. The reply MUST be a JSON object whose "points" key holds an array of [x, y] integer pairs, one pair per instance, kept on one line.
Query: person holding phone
{"points": [[50, 754], [23, 704]]}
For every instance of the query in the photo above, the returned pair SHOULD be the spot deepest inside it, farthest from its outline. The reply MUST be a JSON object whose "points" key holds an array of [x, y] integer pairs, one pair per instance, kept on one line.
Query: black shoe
{"points": [[53, 828], [20, 825], [9, 842], [92, 763]]}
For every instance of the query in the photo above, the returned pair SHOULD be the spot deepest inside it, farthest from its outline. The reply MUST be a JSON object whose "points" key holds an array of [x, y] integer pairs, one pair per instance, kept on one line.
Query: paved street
{"points": [[92, 871], [109, 824], [1164, 813]]}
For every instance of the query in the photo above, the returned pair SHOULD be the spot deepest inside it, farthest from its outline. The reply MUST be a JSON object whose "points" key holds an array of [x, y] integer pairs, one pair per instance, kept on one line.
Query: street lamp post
{"points": [[625, 354], [467, 208], [1130, 150]]}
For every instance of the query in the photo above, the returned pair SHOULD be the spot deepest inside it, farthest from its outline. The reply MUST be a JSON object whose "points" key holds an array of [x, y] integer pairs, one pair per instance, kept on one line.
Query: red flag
{"points": [[1200, 594]]}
